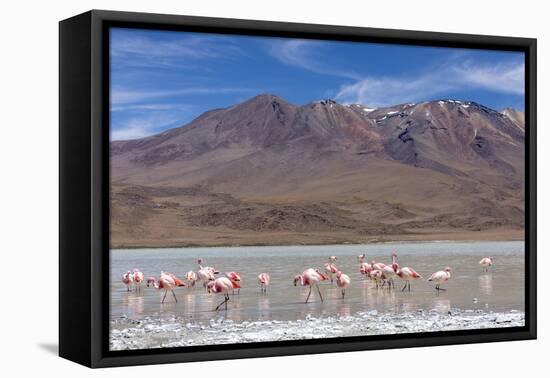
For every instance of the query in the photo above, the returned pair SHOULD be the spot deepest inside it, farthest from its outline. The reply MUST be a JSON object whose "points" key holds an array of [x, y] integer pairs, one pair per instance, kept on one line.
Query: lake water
{"points": [[500, 289]]}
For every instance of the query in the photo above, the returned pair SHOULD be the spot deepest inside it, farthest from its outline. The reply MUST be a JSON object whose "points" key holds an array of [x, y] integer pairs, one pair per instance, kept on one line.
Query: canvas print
{"points": [[270, 189]]}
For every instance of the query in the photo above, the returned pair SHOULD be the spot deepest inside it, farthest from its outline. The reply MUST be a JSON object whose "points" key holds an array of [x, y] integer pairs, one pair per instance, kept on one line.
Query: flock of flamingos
{"points": [[380, 273]]}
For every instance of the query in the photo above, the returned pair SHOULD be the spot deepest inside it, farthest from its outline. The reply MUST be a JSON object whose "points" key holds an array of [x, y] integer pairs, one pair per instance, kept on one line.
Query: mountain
{"points": [[269, 172], [515, 116]]}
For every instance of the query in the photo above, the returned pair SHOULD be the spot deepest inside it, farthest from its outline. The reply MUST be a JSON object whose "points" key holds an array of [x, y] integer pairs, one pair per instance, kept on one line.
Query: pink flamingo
{"points": [[207, 273], [330, 270], [361, 257], [310, 277], [390, 271], [377, 276], [343, 281], [191, 278], [235, 277], [486, 262], [222, 285], [440, 277], [128, 280], [408, 274], [264, 279], [377, 266], [138, 279], [365, 269], [332, 259], [167, 282]]}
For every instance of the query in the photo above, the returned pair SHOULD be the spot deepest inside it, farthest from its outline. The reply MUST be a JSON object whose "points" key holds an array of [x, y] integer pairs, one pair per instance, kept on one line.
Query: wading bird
{"points": [[264, 279], [440, 277], [128, 280], [407, 274], [378, 276], [365, 269], [486, 262], [361, 257], [342, 281], [207, 273], [330, 270], [222, 285], [191, 278], [332, 259], [377, 266], [167, 282], [138, 279], [310, 277], [390, 271], [235, 277]]}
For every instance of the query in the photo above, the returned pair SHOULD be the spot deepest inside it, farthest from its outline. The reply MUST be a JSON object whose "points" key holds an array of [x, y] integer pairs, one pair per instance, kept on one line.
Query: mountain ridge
{"points": [[440, 161]]}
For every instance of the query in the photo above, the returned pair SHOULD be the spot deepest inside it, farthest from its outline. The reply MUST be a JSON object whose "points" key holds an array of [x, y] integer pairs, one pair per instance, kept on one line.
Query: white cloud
{"points": [[147, 107], [143, 51], [384, 91], [305, 54], [504, 77], [140, 127], [121, 96]]}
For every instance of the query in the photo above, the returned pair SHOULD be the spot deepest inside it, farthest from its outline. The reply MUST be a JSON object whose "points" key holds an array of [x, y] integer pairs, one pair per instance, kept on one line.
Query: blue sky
{"points": [[164, 79]]}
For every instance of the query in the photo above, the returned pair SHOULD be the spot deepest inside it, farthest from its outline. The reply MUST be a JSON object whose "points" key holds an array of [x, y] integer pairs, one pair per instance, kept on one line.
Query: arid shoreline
{"points": [[287, 240]]}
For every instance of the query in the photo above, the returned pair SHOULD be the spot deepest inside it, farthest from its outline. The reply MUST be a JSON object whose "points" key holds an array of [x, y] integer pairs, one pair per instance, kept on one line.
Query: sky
{"points": [[165, 79]]}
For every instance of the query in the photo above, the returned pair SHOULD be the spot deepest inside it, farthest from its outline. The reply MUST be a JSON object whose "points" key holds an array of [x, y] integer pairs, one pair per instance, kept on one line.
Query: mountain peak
{"points": [[264, 99]]}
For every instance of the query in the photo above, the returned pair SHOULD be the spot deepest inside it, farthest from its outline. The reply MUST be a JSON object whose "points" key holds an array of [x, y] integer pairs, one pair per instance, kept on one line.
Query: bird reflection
{"points": [[486, 284]]}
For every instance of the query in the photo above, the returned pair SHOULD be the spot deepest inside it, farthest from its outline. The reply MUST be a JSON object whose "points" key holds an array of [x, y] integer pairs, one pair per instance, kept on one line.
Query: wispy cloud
{"points": [[306, 54], [388, 90], [148, 51], [144, 125], [121, 96]]}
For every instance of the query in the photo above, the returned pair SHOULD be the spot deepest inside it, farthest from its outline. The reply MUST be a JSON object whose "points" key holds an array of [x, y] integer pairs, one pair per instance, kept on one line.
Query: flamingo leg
{"points": [[163, 298], [226, 300], [409, 285], [404, 287], [174, 294], [308, 294], [343, 293], [319, 291]]}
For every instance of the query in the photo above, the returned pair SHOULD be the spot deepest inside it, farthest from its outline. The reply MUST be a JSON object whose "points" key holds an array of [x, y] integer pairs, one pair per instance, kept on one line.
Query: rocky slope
{"points": [[266, 172]]}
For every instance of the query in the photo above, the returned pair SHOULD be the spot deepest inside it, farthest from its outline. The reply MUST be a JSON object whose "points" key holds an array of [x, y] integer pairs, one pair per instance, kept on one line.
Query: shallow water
{"points": [[470, 288]]}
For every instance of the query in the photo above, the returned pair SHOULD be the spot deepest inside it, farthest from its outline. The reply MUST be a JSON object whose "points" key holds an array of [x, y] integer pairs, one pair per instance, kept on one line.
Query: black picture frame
{"points": [[84, 187]]}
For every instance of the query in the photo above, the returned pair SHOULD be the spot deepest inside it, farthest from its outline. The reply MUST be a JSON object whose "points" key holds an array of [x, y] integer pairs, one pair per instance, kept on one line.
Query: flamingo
{"points": [[128, 279], [343, 281], [235, 277], [138, 279], [486, 262], [191, 278], [330, 270], [332, 259], [365, 269], [310, 277], [361, 257], [440, 277], [377, 266], [377, 276], [390, 271], [264, 279], [167, 282], [222, 285], [207, 273], [407, 274]]}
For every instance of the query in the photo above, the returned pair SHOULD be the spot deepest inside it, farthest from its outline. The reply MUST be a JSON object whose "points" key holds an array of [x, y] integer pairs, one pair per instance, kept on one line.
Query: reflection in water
{"points": [[486, 284], [502, 289]]}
